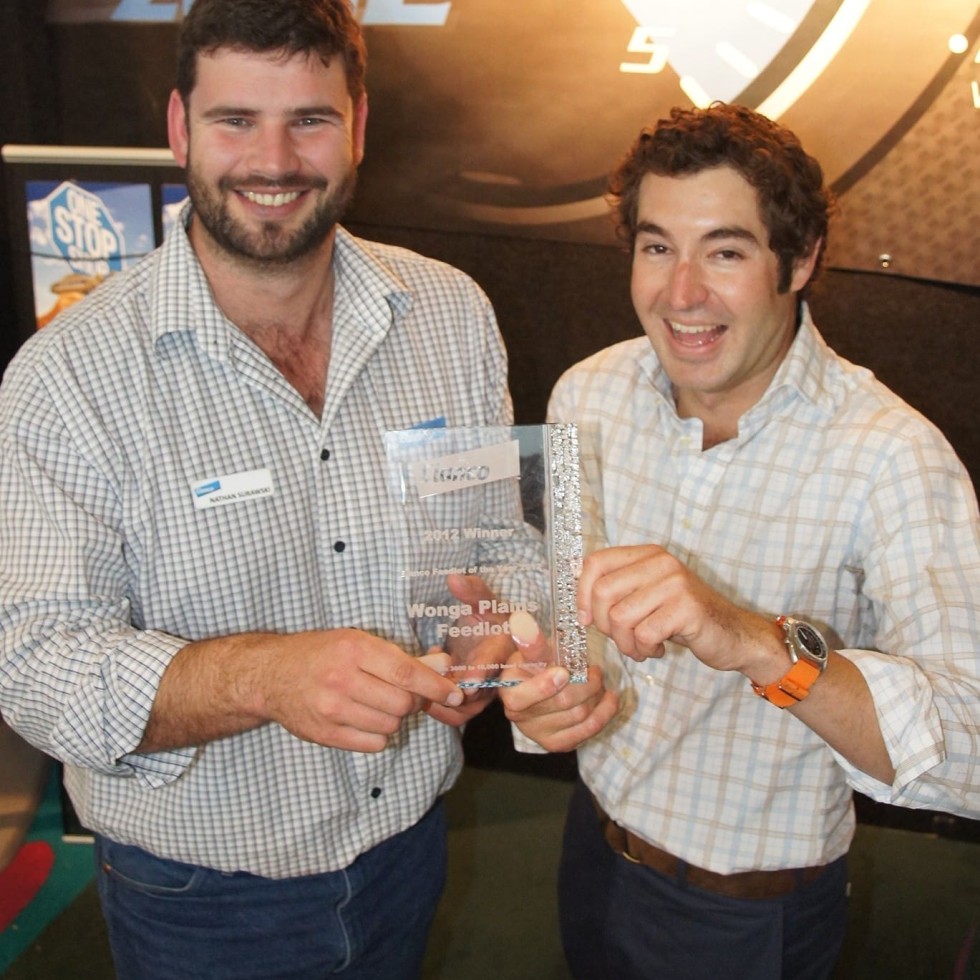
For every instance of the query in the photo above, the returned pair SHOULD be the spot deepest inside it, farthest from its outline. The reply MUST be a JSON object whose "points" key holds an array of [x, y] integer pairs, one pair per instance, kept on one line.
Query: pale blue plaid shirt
{"points": [[108, 419], [837, 503]]}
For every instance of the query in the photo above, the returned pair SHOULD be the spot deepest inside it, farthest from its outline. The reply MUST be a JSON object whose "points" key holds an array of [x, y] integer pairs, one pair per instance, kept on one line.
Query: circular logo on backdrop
{"points": [[515, 117]]}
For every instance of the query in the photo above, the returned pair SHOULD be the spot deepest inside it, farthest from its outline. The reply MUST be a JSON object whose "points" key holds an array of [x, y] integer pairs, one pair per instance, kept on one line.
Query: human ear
{"points": [[177, 134], [803, 267]]}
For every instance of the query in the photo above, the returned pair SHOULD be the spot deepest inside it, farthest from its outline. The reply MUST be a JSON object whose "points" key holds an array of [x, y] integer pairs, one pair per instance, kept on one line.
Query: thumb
{"points": [[526, 633], [468, 588], [533, 653], [437, 660]]}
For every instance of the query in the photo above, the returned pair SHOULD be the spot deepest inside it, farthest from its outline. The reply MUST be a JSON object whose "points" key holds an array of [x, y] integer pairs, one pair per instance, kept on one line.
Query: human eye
{"points": [[233, 122], [316, 117], [652, 247]]}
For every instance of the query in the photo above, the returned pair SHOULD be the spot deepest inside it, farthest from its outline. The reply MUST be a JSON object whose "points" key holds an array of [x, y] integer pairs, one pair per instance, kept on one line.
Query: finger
{"points": [[353, 739], [411, 674], [534, 689], [455, 717], [610, 573], [437, 660], [371, 720], [596, 568], [650, 610], [527, 635], [477, 668], [626, 595], [568, 738], [591, 570], [442, 663], [562, 722], [370, 707], [482, 600], [469, 589], [535, 649]]}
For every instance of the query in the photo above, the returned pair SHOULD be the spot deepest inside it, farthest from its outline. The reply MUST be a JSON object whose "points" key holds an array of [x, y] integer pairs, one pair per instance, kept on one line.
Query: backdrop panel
{"points": [[493, 117]]}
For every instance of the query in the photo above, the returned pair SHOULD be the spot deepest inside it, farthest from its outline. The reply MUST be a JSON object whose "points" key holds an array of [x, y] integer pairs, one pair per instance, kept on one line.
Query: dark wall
{"points": [[28, 114]]}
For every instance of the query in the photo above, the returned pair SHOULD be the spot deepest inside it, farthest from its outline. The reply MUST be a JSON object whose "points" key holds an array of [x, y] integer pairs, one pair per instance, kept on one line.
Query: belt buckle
{"points": [[629, 857]]}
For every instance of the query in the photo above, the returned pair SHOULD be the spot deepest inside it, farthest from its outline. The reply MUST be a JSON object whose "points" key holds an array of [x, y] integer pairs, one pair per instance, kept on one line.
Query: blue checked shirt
{"points": [[836, 503], [115, 423]]}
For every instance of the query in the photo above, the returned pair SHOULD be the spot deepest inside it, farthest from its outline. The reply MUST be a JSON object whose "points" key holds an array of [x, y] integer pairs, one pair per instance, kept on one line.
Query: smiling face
{"points": [[704, 286], [270, 146]]}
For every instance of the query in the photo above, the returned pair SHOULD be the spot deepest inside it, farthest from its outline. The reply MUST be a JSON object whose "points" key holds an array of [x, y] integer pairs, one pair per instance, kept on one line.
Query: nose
{"points": [[686, 288], [272, 152]]}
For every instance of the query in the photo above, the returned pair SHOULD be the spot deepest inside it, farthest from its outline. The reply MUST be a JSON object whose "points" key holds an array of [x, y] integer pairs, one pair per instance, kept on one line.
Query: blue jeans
{"points": [[174, 921], [627, 921]]}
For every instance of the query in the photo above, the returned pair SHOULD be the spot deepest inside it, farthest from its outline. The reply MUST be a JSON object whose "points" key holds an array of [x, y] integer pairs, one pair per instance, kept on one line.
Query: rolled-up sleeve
{"points": [[922, 578], [77, 677]]}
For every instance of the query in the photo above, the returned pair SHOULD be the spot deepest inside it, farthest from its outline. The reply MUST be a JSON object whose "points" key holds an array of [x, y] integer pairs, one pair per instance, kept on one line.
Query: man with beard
{"points": [[198, 560]]}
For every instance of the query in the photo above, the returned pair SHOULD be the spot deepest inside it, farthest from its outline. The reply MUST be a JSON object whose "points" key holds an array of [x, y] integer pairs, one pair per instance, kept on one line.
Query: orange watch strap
{"points": [[792, 687]]}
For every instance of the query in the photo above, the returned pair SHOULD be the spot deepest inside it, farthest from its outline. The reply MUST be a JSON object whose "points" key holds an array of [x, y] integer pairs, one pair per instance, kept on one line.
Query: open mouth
{"points": [[695, 334]]}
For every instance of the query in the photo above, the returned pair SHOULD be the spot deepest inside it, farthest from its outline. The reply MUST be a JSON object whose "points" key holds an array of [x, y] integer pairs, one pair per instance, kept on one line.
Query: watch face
{"points": [[810, 640]]}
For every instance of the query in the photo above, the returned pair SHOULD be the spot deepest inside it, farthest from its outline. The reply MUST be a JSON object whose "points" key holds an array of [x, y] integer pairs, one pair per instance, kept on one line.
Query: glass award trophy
{"points": [[502, 504]]}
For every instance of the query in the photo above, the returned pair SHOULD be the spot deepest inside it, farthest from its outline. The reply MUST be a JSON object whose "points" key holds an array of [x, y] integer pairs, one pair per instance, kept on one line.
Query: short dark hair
{"points": [[327, 27], [794, 203]]}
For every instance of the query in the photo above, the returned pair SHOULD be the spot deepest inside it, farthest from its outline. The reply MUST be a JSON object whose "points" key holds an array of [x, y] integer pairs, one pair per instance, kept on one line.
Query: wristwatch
{"points": [[808, 651]]}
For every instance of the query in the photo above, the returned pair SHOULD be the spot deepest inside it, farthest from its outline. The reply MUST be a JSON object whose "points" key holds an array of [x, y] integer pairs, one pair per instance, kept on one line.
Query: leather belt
{"points": [[741, 884]]}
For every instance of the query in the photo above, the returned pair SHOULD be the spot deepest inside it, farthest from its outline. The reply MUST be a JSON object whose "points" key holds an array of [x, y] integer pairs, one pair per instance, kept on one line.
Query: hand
{"points": [[641, 597], [349, 689], [483, 655], [473, 591], [546, 706], [472, 699]]}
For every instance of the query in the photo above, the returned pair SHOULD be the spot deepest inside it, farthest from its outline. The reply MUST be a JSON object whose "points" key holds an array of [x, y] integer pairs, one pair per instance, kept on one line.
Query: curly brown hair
{"points": [[327, 27], [794, 204]]}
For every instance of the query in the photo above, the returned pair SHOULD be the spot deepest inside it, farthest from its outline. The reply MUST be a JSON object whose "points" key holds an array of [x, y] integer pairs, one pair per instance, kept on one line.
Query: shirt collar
{"points": [[651, 367], [366, 281], [182, 298], [806, 370]]}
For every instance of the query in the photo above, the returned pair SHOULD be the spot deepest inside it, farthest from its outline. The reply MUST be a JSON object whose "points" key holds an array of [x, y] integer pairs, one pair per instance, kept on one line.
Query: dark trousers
{"points": [[625, 921], [174, 921]]}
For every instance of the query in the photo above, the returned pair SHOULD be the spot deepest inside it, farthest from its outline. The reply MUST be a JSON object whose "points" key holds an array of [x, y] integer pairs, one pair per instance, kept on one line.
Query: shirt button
{"points": [[686, 524], [376, 792], [324, 454], [339, 546]]}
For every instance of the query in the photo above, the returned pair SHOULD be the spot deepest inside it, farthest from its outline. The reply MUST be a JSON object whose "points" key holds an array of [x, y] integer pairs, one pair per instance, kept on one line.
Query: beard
{"points": [[271, 244]]}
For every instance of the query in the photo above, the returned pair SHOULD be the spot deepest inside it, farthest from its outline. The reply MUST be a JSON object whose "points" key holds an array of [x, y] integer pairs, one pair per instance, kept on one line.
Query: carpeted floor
{"points": [[46, 876]]}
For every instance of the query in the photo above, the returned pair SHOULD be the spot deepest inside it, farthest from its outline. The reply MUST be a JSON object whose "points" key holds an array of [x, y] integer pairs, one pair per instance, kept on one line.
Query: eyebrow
{"points": [[733, 231], [725, 232], [299, 112], [316, 110]]}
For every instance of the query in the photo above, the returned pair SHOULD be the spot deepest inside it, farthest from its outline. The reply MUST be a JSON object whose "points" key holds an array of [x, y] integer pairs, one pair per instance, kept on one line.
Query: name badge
{"points": [[232, 489]]}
